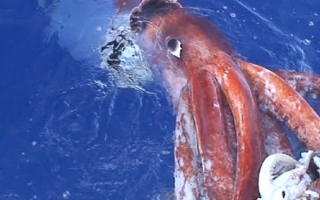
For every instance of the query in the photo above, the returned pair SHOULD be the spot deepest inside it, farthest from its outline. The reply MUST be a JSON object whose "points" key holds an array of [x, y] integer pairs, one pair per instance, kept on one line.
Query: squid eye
{"points": [[175, 47], [281, 193]]}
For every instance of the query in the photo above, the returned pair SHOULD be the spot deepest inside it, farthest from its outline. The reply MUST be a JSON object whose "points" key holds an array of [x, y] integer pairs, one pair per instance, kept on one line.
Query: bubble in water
{"points": [[307, 41], [233, 15], [66, 194], [34, 143]]}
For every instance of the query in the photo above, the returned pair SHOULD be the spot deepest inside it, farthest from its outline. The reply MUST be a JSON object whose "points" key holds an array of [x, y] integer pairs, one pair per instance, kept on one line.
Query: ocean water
{"points": [[70, 131]]}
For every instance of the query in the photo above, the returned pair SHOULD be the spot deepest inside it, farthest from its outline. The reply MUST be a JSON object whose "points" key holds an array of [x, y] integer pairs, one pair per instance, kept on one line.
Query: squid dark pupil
{"points": [[283, 194], [173, 44]]}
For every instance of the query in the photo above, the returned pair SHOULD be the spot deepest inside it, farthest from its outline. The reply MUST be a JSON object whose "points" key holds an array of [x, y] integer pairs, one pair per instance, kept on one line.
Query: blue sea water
{"points": [[68, 132]]}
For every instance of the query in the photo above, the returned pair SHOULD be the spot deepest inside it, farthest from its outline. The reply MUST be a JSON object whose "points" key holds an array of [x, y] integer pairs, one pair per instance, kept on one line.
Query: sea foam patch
{"points": [[93, 33]]}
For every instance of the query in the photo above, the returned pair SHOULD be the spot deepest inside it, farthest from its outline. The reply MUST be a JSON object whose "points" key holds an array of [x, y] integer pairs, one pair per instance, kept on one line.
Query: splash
{"points": [[123, 58], [83, 27]]}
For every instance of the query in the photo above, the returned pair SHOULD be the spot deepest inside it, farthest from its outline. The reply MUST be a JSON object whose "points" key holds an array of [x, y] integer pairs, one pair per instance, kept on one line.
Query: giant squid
{"points": [[227, 109]]}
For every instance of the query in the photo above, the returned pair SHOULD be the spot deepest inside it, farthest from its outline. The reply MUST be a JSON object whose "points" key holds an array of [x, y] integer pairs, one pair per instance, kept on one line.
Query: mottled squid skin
{"points": [[210, 119], [286, 102], [207, 65], [219, 139], [303, 82], [276, 137]]}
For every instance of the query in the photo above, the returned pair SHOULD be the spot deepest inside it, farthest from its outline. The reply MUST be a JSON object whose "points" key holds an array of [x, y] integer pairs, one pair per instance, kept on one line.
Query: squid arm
{"points": [[285, 102], [250, 138], [214, 141]]}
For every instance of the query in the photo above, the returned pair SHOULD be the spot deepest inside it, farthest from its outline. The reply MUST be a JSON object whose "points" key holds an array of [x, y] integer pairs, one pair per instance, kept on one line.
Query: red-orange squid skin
{"points": [[250, 137], [205, 49], [286, 102], [214, 145], [303, 82], [207, 83]]}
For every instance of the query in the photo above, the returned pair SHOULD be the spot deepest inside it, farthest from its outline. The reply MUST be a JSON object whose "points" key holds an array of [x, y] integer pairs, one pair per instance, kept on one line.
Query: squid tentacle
{"points": [[214, 145], [276, 138], [305, 83], [250, 137], [187, 173], [285, 102]]}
